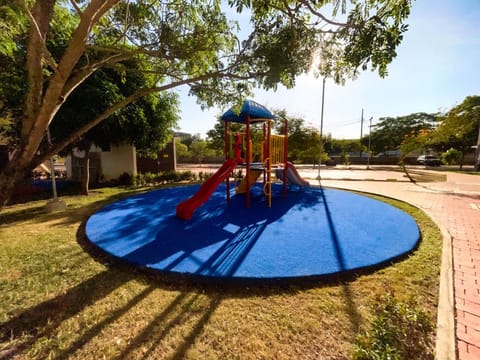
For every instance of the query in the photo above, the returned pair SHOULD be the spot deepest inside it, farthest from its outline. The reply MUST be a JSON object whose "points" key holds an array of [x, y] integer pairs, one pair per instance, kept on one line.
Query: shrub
{"points": [[150, 178], [162, 178], [236, 175], [452, 156], [125, 179], [186, 176], [139, 180], [202, 176], [171, 176], [400, 330]]}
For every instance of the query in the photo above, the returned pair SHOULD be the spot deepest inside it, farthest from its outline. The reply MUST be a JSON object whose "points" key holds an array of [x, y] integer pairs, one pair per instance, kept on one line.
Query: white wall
{"points": [[118, 160], [68, 165]]}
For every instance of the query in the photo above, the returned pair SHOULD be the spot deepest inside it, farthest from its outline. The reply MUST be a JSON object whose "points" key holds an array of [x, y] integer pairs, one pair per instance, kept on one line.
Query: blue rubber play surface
{"points": [[312, 233]]}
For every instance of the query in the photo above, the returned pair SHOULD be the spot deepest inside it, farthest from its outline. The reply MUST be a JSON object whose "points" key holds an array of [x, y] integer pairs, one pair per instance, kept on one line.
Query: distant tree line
{"points": [[452, 135]]}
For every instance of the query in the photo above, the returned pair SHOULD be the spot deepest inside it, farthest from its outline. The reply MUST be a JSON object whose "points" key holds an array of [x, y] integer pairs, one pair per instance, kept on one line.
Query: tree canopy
{"points": [[186, 43], [390, 132], [146, 124], [459, 127], [454, 133]]}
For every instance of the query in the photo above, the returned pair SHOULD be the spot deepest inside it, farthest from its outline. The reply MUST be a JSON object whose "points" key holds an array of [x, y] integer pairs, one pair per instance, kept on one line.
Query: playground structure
{"points": [[239, 153], [312, 235]]}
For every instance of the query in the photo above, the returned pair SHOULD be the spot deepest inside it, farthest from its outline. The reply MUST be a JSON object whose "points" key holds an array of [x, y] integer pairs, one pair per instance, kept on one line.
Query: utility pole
{"points": [[321, 127], [361, 134], [477, 150], [54, 204], [369, 138]]}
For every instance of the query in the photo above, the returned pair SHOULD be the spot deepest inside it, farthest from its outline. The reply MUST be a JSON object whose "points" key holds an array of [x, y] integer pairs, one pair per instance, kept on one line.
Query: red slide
{"points": [[294, 177], [186, 208]]}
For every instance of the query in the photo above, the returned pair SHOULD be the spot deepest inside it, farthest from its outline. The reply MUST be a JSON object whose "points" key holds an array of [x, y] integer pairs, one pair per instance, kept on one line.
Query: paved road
{"points": [[454, 204]]}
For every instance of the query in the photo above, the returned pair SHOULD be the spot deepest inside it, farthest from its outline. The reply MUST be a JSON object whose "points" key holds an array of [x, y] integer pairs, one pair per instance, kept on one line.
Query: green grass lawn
{"points": [[57, 302]]}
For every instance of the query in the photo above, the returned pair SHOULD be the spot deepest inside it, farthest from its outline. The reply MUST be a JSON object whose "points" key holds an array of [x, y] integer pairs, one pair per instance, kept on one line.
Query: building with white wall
{"points": [[104, 165]]}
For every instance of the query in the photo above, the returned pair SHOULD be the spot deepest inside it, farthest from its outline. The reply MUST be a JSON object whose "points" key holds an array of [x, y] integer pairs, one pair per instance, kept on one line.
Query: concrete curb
{"points": [[445, 348]]}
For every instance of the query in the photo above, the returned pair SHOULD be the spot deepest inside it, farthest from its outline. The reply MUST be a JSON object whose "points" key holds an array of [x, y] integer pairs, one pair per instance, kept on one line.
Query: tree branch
{"points": [[323, 17], [41, 110], [40, 19], [83, 73], [77, 46], [77, 8], [48, 55], [120, 105]]}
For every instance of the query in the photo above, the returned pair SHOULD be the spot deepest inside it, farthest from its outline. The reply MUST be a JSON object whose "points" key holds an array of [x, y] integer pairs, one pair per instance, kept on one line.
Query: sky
{"points": [[437, 66]]}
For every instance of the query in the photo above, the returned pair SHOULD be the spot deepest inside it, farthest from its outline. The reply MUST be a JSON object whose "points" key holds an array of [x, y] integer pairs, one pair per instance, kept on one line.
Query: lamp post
{"points": [[321, 127], [369, 142], [477, 150], [54, 204], [361, 134]]}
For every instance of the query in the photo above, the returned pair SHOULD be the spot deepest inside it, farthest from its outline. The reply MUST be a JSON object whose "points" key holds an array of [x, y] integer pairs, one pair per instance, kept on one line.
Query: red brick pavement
{"points": [[455, 206]]}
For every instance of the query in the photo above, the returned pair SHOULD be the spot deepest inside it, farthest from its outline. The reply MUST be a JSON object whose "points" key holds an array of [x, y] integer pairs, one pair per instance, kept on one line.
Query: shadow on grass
{"points": [[165, 323], [30, 326], [41, 320], [351, 308], [38, 213], [98, 327]]}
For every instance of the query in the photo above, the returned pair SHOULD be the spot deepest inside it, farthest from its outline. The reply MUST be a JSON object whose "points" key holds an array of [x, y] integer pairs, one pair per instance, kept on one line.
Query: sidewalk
{"points": [[454, 205]]}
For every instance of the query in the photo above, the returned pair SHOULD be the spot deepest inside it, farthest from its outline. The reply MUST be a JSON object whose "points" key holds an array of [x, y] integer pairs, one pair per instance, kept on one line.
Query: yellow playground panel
{"points": [[273, 154]]}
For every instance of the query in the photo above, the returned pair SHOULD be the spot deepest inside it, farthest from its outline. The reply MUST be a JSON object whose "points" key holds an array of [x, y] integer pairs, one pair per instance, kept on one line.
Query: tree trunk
{"points": [[404, 168], [86, 168], [42, 101], [9, 178], [86, 175], [11, 175], [477, 153]]}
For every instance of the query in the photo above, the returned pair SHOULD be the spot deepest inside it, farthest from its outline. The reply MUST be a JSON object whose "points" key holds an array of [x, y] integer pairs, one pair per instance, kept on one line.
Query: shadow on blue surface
{"points": [[336, 243], [317, 233]]}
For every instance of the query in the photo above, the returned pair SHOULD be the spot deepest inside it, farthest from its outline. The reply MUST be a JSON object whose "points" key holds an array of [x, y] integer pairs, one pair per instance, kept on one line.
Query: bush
{"points": [[125, 179], [170, 176], [400, 330], [187, 176], [202, 176], [139, 180], [452, 156], [153, 179], [237, 175], [150, 178]]}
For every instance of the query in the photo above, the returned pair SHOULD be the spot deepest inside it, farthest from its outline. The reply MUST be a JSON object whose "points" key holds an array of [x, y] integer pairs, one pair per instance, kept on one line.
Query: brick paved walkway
{"points": [[455, 206]]}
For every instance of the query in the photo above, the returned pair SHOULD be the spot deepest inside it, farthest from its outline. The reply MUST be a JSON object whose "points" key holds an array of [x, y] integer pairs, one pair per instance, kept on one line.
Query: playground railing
{"points": [[237, 145], [277, 155]]}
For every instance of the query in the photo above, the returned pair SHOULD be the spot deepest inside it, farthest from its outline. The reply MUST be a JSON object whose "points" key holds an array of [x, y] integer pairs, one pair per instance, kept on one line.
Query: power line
{"points": [[347, 124]]}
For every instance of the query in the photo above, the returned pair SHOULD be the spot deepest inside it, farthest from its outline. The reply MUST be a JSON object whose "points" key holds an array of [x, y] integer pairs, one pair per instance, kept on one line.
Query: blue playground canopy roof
{"points": [[250, 108]]}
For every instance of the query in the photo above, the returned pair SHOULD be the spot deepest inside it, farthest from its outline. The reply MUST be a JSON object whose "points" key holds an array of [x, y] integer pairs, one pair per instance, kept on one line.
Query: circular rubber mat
{"points": [[310, 233]]}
